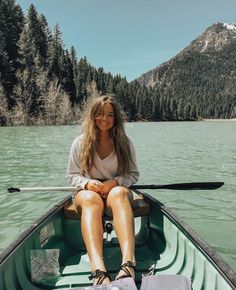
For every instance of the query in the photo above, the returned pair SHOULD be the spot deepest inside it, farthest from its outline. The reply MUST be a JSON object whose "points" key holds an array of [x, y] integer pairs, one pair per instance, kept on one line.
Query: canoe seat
{"points": [[140, 208]]}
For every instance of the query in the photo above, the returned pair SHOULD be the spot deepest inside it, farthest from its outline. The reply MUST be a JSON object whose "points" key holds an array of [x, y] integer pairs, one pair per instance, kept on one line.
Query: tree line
{"points": [[42, 82], [198, 85]]}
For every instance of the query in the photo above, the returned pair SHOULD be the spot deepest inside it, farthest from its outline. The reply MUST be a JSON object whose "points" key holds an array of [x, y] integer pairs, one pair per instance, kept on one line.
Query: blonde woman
{"points": [[102, 165]]}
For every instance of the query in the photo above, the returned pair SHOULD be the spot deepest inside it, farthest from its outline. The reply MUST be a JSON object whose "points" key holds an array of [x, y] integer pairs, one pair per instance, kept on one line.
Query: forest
{"points": [[44, 83]]}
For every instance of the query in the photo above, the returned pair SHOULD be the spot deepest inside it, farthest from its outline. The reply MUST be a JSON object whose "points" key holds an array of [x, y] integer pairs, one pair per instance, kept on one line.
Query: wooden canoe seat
{"points": [[140, 208]]}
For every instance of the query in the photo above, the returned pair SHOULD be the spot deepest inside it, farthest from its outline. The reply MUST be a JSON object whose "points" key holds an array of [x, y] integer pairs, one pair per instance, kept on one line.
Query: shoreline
{"points": [[218, 120], [129, 121]]}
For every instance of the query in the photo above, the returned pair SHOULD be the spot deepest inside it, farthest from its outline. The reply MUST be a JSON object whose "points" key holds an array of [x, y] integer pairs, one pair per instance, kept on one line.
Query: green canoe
{"points": [[51, 253]]}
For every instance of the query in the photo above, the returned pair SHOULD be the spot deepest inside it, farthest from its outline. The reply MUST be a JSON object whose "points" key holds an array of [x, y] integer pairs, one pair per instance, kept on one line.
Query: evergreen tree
{"points": [[60, 64], [30, 65], [46, 32], [7, 70], [11, 23], [55, 52], [74, 62], [67, 76], [36, 29], [82, 82]]}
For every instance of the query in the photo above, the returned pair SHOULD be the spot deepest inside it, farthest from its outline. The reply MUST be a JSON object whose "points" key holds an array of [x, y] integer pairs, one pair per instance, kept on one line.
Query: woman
{"points": [[102, 165]]}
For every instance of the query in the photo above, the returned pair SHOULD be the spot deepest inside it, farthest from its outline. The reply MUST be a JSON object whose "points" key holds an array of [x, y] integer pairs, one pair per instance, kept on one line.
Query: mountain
{"points": [[200, 81]]}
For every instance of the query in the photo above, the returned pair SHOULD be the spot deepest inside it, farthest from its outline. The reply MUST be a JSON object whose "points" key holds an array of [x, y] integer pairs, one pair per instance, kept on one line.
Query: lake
{"points": [[168, 152]]}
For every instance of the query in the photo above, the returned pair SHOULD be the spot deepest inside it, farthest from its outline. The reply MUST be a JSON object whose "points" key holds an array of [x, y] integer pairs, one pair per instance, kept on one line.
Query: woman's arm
{"points": [[73, 172]]}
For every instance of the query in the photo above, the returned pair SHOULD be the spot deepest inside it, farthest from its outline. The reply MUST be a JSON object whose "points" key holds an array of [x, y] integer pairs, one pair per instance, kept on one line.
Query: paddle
{"points": [[175, 186]]}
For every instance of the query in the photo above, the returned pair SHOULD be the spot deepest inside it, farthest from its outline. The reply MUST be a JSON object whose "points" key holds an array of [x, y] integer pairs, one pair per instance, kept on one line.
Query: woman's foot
{"points": [[100, 277], [126, 270]]}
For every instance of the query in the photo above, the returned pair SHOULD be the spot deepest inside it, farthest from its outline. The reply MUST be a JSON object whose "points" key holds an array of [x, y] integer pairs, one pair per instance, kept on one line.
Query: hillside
{"points": [[200, 81]]}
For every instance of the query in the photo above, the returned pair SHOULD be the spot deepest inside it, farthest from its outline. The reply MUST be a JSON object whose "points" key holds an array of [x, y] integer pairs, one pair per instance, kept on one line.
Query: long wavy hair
{"points": [[94, 108]]}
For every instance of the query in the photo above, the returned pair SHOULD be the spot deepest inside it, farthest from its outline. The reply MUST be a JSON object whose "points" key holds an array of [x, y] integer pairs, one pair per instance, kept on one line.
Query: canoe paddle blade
{"points": [[13, 189], [182, 186]]}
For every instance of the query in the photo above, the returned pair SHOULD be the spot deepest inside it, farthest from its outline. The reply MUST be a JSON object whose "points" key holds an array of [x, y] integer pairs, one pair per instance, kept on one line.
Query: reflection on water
{"points": [[167, 152]]}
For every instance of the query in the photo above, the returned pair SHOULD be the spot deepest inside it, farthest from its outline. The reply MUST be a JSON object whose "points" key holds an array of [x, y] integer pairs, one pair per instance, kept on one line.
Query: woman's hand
{"points": [[102, 188], [107, 186], [94, 185]]}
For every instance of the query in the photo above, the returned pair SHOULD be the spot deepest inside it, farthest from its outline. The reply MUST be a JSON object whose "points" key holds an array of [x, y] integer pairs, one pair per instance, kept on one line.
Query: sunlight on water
{"points": [[168, 152]]}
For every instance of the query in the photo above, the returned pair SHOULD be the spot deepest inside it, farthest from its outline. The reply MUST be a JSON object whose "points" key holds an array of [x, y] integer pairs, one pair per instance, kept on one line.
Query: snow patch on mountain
{"points": [[230, 26]]}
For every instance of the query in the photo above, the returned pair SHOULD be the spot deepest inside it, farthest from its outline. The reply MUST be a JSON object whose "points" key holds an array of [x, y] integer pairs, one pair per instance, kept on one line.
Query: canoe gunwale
{"points": [[222, 267], [31, 229]]}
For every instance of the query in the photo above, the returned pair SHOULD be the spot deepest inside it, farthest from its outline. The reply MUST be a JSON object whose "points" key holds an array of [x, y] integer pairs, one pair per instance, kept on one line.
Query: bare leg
{"points": [[119, 201], [92, 207]]}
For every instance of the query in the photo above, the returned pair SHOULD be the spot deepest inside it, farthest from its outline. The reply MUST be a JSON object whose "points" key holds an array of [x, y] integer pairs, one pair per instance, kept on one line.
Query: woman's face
{"points": [[105, 121]]}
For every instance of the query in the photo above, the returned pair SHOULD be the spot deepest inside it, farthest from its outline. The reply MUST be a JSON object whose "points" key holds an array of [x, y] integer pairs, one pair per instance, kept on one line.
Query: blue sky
{"points": [[130, 37]]}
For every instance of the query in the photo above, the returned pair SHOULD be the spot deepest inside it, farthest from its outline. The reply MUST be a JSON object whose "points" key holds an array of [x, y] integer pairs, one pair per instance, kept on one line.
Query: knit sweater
{"points": [[102, 169]]}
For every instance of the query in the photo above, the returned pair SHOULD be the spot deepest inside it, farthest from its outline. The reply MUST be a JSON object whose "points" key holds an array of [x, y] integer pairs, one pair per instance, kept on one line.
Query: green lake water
{"points": [[168, 152]]}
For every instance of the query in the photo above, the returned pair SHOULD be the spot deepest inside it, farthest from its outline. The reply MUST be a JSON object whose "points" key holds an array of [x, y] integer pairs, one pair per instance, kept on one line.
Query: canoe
{"points": [[51, 254]]}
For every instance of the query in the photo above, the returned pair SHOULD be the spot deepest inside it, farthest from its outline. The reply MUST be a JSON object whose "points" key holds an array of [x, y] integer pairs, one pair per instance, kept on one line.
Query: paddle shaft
{"points": [[174, 186]]}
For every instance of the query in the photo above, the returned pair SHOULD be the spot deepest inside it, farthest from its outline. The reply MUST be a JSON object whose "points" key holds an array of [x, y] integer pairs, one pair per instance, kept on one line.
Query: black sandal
{"points": [[124, 267], [101, 275]]}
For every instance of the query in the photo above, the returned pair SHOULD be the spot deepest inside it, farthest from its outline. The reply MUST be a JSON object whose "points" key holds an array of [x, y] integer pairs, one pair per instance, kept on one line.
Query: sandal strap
{"points": [[101, 275], [128, 264], [124, 267]]}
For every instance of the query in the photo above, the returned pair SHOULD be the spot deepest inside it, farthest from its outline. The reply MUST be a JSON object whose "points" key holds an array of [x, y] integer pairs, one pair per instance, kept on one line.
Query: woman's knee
{"points": [[89, 198], [120, 192]]}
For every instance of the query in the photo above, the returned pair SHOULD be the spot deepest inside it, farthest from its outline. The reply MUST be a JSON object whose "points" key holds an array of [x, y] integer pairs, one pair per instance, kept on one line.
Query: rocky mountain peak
{"points": [[216, 37], [215, 41]]}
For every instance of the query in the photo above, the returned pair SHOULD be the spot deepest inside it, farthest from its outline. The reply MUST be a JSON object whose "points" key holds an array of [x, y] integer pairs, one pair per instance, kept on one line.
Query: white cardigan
{"points": [[103, 169]]}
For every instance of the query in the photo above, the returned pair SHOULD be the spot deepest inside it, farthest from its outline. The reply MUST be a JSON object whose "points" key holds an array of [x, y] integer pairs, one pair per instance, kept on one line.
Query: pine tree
{"points": [[26, 88], [6, 66], [67, 76], [46, 31], [36, 28], [83, 69], [74, 62], [55, 52], [11, 23], [60, 64]]}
